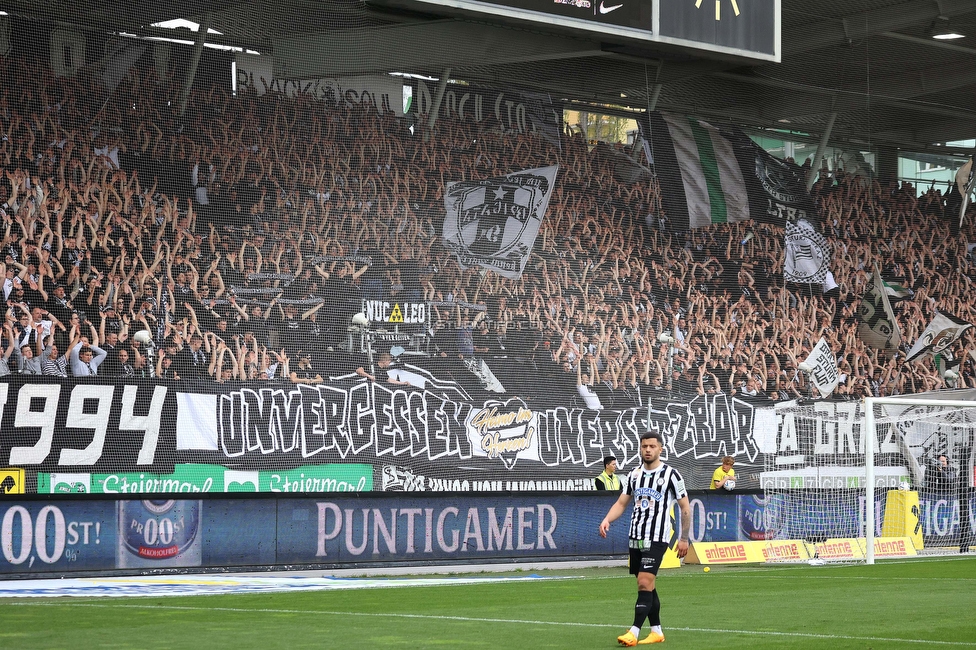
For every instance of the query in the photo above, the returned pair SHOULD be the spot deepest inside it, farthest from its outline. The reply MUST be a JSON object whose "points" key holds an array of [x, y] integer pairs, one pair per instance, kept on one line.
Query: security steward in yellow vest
{"points": [[608, 479]]}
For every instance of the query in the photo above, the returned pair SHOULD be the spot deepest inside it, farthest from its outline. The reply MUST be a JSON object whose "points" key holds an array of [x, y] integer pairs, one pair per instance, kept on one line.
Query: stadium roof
{"points": [[873, 62]]}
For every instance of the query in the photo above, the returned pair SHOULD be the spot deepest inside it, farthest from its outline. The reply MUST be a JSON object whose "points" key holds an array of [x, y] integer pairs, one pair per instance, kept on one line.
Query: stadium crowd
{"points": [[243, 237]]}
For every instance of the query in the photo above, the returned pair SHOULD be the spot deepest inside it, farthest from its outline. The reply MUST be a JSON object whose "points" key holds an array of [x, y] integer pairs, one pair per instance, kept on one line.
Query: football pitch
{"points": [[904, 604]]}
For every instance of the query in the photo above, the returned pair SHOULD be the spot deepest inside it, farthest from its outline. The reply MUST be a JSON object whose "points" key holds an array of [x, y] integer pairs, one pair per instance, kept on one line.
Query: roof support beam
{"points": [[414, 47], [191, 71], [438, 98], [869, 23], [889, 91], [821, 147]]}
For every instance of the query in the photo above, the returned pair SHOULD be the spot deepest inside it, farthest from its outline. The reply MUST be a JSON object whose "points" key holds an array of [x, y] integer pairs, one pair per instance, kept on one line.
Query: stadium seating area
{"points": [[244, 237]]}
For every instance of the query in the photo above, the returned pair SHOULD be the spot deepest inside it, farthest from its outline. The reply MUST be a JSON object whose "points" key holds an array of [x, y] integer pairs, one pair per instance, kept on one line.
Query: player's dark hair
{"points": [[608, 460], [647, 435]]}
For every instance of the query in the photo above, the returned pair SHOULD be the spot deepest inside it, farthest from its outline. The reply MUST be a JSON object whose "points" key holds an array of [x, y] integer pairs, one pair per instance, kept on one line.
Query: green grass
{"points": [[921, 604]]}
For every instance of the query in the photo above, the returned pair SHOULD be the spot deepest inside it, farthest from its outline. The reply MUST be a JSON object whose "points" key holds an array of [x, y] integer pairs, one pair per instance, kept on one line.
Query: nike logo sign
{"points": [[605, 10]]}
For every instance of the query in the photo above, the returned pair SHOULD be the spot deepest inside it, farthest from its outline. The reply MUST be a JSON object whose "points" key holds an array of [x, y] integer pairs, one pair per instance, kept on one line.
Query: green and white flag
{"points": [[895, 291], [713, 183], [948, 366], [716, 174]]}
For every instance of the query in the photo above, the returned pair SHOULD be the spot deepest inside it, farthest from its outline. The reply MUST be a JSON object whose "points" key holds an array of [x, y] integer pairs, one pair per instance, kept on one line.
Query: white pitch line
{"points": [[516, 621], [865, 578]]}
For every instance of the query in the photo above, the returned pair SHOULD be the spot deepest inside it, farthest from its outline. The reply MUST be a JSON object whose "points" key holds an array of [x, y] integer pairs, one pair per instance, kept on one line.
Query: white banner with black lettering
{"points": [[823, 368]]}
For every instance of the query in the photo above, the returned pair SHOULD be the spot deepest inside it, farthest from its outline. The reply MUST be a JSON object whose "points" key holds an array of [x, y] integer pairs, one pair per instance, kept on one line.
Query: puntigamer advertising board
{"points": [[105, 534]]}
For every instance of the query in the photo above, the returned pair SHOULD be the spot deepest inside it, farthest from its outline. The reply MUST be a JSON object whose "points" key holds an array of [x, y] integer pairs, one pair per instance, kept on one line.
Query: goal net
{"points": [[912, 458]]}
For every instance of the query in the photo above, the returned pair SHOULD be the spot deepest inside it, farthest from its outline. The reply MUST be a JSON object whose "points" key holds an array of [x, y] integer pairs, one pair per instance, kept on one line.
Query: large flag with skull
{"points": [[941, 333], [494, 222]]}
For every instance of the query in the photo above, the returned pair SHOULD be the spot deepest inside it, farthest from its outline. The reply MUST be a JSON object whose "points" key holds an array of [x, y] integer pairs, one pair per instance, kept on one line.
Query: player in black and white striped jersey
{"points": [[654, 487]]}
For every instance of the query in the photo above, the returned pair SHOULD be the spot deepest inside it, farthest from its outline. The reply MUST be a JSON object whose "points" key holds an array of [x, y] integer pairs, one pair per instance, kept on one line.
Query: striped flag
{"points": [[895, 291], [711, 174]]}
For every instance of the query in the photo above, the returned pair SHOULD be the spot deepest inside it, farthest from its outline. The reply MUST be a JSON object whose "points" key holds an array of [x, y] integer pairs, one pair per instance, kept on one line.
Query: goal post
{"points": [[870, 438], [855, 481], [946, 427]]}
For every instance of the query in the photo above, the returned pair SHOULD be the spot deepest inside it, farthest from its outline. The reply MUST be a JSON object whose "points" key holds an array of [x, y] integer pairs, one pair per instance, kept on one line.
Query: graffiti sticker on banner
{"points": [[504, 430], [63, 483], [11, 481]]}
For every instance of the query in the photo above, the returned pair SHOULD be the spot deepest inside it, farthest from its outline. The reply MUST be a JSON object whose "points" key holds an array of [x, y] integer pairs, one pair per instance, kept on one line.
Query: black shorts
{"points": [[647, 559]]}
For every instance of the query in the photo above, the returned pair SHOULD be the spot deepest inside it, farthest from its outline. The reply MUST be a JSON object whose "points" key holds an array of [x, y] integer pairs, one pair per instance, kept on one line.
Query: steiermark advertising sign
{"points": [[189, 478]]}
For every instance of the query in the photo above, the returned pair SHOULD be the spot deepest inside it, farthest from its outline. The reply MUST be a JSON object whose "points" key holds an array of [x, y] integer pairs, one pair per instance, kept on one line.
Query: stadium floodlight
{"points": [[941, 31]]}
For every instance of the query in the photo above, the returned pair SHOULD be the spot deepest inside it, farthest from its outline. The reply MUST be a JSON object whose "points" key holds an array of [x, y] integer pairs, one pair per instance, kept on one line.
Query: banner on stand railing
{"points": [[353, 435]]}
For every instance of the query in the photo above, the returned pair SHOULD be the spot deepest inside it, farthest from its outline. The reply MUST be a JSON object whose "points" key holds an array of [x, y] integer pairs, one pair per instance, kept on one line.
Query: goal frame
{"points": [[870, 440]]}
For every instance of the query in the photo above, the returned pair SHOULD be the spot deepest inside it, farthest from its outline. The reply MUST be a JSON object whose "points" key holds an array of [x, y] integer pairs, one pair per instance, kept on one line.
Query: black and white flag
{"points": [[877, 325], [942, 332], [120, 61], [494, 222], [948, 366], [822, 366], [807, 254]]}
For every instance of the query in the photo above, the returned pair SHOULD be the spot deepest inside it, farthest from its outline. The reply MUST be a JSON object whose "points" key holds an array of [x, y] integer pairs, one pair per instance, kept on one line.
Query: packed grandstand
{"points": [[245, 237]]}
